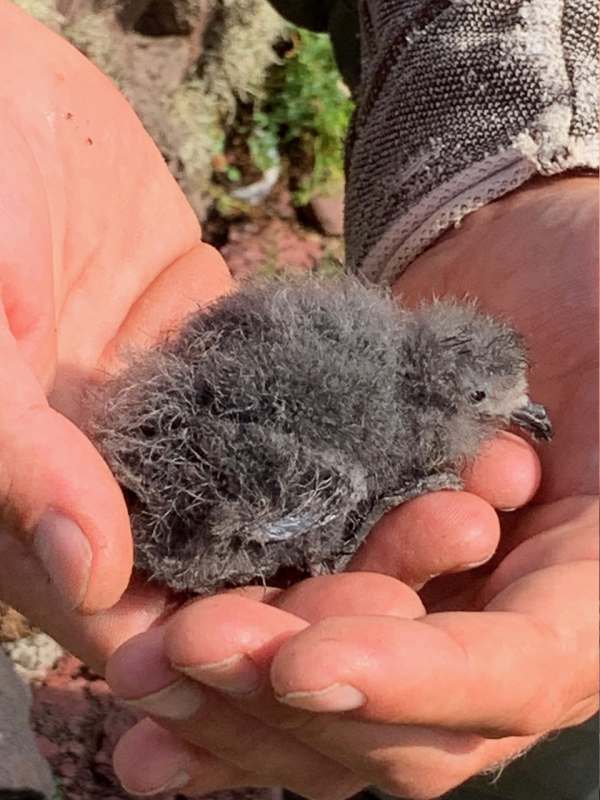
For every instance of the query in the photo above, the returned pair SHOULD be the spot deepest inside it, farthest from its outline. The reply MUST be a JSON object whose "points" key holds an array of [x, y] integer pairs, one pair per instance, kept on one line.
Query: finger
{"points": [[224, 642], [206, 719], [148, 760], [435, 534], [348, 594], [406, 761], [557, 533], [397, 758], [506, 472], [172, 292], [238, 657], [57, 495], [227, 642], [91, 637], [486, 673], [446, 532]]}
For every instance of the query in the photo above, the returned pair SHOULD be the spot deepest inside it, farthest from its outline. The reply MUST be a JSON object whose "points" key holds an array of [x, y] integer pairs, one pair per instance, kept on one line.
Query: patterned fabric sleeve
{"points": [[459, 102]]}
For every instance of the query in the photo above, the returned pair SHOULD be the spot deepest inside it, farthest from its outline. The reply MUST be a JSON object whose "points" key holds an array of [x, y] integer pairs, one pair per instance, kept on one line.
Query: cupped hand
{"points": [[350, 680], [99, 251]]}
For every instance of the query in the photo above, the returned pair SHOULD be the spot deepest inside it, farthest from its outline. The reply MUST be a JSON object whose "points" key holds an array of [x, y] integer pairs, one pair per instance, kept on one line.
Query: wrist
{"points": [[532, 219]]}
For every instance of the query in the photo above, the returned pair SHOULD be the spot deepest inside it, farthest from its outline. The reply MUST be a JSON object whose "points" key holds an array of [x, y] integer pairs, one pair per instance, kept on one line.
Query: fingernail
{"points": [[236, 674], [507, 510], [66, 555], [178, 700], [176, 781], [337, 697], [472, 565]]}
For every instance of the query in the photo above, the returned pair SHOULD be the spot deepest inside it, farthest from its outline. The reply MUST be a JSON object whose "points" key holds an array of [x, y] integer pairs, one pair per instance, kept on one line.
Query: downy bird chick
{"points": [[280, 423]]}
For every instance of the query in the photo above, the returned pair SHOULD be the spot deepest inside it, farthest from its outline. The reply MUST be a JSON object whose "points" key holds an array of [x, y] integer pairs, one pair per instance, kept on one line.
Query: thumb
{"points": [[58, 499]]}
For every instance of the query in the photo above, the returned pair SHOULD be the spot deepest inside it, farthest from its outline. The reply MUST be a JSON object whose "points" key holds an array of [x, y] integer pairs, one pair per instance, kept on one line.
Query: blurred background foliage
{"points": [[238, 100], [305, 108]]}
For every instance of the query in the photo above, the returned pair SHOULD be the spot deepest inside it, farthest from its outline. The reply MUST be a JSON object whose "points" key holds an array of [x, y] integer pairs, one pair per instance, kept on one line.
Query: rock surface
{"points": [[78, 722], [13, 625], [21, 764], [33, 655]]}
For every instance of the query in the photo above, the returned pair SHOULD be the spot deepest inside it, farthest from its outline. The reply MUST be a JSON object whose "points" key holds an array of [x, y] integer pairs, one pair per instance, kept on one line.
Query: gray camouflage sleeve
{"points": [[458, 104]]}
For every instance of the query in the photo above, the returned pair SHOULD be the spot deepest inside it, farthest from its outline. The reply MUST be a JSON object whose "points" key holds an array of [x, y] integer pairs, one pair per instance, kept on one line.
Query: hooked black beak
{"points": [[533, 417]]}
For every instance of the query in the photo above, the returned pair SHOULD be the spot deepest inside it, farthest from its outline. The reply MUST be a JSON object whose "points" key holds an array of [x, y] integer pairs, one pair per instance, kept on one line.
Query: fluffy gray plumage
{"points": [[280, 424]]}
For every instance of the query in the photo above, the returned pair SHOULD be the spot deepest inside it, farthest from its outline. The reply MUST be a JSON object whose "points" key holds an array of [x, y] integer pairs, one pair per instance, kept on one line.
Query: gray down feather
{"points": [[280, 423]]}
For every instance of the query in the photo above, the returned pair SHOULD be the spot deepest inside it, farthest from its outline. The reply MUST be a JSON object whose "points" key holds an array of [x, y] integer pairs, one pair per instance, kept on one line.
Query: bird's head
{"points": [[477, 366]]}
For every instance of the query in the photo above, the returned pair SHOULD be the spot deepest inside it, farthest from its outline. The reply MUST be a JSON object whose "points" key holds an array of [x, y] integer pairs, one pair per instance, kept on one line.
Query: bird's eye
{"points": [[478, 396]]}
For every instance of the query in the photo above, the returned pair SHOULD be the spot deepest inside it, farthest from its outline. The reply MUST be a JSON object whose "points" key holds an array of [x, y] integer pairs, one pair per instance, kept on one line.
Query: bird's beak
{"points": [[533, 417]]}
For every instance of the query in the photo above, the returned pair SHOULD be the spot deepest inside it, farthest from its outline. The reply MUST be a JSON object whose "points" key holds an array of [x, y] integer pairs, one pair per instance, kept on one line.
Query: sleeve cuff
{"points": [[460, 103]]}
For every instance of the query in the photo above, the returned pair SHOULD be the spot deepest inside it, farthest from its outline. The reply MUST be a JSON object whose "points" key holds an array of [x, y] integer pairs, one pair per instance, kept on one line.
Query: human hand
{"points": [[423, 700], [99, 251]]}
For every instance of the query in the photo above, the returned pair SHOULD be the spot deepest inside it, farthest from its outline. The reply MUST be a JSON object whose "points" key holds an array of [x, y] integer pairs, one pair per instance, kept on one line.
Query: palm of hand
{"points": [[547, 287], [100, 251]]}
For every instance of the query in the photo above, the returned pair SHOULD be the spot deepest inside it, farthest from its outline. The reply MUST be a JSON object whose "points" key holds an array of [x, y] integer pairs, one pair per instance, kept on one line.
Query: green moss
{"points": [[44, 11], [307, 108], [238, 50], [302, 113], [93, 34], [195, 115]]}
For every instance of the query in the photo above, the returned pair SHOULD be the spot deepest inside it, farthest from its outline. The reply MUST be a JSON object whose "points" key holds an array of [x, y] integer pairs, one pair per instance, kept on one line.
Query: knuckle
{"points": [[15, 511], [16, 508]]}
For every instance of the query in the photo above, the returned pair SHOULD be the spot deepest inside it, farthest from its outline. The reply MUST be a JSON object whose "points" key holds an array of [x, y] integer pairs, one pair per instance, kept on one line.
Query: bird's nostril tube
{"points": [[533, 417], [538, 411]]}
